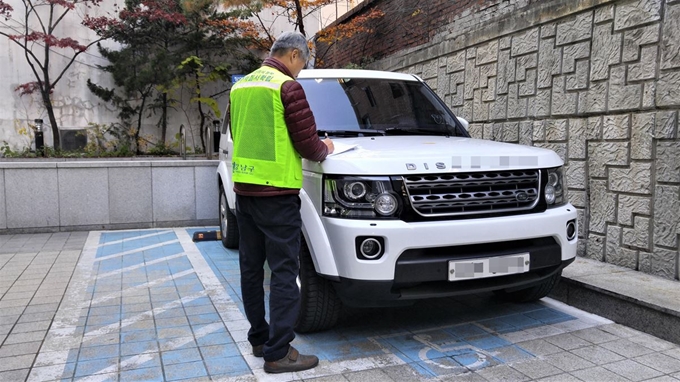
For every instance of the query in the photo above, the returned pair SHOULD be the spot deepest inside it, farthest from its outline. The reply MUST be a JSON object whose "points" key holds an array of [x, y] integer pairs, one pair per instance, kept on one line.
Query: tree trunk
{"points": [[164, 118], [47, 102], [300, 23]]}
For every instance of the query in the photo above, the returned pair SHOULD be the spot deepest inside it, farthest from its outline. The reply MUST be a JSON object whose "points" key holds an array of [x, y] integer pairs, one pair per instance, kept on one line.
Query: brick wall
{"points": [[597, 81]]}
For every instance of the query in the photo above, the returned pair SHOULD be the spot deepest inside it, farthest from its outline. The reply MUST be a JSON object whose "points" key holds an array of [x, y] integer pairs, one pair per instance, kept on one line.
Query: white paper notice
{"points": [[341, 148]]}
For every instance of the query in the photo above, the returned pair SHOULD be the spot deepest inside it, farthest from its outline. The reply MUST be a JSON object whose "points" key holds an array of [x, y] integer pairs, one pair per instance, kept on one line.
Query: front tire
{"points": [[533, 293], [320, 306], [228, 224]]}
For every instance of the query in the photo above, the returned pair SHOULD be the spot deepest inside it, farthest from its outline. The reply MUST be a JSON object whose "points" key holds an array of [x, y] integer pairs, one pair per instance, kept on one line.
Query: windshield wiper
{"points": [[416, 131], [350, 133]]}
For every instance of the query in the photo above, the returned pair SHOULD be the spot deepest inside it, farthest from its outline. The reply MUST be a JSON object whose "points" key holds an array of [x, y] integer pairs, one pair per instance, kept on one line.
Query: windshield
{"points": [[370, 106]]}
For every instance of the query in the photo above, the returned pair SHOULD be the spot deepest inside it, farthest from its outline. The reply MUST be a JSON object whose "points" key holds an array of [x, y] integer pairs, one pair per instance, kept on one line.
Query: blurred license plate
{"points": [[489, 267]]}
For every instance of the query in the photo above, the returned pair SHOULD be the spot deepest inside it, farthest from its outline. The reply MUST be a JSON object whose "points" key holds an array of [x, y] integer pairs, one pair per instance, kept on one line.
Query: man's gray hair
{"points": [[288, 41]]}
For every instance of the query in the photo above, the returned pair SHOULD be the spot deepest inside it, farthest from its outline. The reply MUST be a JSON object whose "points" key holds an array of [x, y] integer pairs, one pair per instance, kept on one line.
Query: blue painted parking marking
{"points": [[153, 305]]}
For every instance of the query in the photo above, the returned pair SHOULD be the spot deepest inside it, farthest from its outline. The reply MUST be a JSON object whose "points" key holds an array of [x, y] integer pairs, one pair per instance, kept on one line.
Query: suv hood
{"points": [[392, 155]]}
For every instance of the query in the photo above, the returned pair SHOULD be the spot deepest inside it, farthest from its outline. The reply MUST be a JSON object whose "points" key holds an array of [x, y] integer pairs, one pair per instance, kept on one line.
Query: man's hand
{"points": [[329, 144]]}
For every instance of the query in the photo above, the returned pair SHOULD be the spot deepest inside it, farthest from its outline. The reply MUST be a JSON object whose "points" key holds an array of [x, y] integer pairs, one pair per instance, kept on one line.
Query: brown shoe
{"points": [[258, 351], [293, 361]]}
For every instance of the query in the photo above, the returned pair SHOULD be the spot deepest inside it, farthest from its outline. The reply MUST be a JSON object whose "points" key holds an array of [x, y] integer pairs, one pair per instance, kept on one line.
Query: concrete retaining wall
{"points": [[597, 81], [40, 196]]}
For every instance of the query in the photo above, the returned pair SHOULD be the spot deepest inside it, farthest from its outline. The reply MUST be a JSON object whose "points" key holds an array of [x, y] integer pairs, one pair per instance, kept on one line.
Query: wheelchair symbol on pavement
{"points": [[465, 354]]}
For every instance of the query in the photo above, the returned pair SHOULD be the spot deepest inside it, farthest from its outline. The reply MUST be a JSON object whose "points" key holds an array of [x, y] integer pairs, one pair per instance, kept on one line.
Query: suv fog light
{"points": [[571, 229], [369, 247], [386, 204]]}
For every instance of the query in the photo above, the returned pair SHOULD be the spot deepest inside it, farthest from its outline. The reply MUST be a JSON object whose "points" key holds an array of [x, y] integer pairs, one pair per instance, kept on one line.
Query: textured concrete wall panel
{"points": [[636, 178], [83, 196], [667, 215], [3, 211], [668, 91], [629, 205], [636, 12], [670, 45], [27, 189], [668, 161], [130, 195], [602, 206], [574, 29], [606, 51]]}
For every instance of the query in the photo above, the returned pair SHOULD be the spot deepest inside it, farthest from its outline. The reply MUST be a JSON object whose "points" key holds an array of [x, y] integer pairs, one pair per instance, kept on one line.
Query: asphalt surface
{"points": [[152, 305]]}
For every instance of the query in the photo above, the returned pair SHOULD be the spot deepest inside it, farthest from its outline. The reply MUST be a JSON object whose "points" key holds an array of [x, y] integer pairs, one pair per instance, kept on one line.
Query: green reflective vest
{"points": [[263, 151]]}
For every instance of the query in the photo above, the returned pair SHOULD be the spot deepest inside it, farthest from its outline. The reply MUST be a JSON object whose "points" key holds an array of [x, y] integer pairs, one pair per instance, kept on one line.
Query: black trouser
{"points": [[269, 229]]}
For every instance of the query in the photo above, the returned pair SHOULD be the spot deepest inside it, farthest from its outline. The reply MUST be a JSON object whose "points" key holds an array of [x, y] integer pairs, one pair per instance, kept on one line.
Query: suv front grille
{"points": [[473, 193]]}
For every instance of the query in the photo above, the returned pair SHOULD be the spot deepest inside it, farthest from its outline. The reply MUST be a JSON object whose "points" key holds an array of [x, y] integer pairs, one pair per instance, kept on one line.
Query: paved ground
{"points": [[151, 305]]}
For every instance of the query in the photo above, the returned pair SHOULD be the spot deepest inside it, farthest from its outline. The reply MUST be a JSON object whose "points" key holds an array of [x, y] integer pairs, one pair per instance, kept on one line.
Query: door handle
{"points": [[225, 151]]}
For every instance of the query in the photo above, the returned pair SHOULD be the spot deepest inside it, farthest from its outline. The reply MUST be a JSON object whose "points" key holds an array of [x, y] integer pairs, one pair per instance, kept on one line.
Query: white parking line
{"points": [[142, 265], [141, 249], [133, 238]]}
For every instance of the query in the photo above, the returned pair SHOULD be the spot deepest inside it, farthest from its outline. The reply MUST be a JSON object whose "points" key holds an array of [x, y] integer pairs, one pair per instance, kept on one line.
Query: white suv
{"points": [[410, 207]]}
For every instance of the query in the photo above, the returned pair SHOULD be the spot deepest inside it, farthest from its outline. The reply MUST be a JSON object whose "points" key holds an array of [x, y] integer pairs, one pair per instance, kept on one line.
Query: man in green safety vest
{"points": [[273, 128]]}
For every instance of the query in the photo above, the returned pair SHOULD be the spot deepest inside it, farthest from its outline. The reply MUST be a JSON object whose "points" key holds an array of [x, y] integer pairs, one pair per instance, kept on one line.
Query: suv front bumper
{"points": [[415, 262]]}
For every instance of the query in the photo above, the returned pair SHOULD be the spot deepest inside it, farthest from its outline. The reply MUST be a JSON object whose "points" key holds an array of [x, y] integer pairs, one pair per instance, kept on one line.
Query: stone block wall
{"points": [[596, 81]]}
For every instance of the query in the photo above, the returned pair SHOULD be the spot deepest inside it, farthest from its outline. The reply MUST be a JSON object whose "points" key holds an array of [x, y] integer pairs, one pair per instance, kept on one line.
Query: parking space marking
{"points": [[152, 294]]}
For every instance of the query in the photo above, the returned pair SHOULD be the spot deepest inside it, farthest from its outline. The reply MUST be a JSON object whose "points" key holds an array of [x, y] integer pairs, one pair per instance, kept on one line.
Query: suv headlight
{"points": [[555, 190], [359, 197]]}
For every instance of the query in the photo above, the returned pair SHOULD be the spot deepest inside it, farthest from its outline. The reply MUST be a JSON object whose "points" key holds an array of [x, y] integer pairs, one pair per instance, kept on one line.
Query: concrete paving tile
{"points": [[675, 352], [652, 342], [663, 378], [97, 352], [139, 325], [9, 320], [172, 357], [134, 348], [568, 362], [185, 371], [139, 375], [597, 355], [6, 327], [14, 375], [567, 341], [560, 378], [597, 373], [219, 351], [632, 370], [539, 347], [341, 378], [374, 375], [620, 330], [467, 377], [403, 373], [103, 339], [38, 308], [536, 368], [660, 362], [171, 322], [20, 349], [35, 317], [25, 337], [501, 373], [233, 366], [96, 366], [51, 358], [10, 312], [32, 326], [626, 348], [18, 295], [19, 303], [175, 332], [16, 362]]}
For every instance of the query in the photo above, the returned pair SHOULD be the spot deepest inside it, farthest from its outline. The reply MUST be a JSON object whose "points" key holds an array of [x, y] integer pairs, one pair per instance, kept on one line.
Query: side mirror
{"points": [[463, 122]]}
